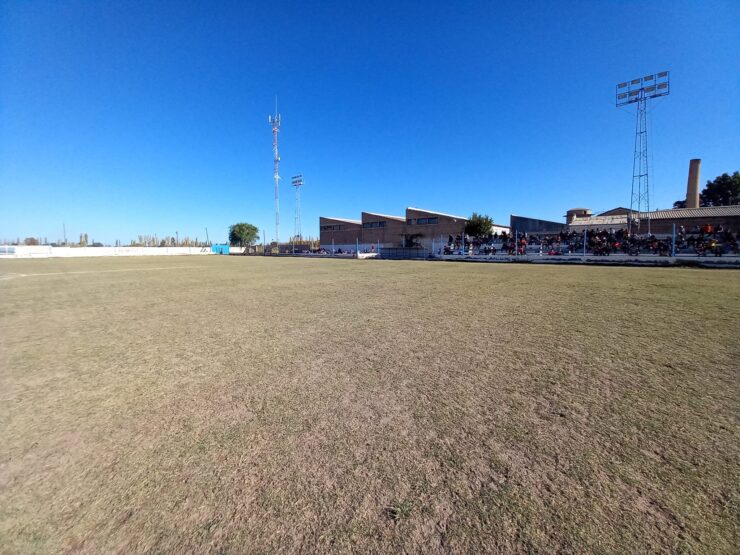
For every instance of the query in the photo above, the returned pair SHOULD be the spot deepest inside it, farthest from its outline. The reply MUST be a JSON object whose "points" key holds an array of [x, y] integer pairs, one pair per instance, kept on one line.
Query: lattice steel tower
{"points": [[275, 122], [639, 91], [297, 181]]}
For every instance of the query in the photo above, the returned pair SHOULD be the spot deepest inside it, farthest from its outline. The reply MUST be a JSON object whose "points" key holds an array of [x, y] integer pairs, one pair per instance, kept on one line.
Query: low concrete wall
{"points": [[23, 251]]}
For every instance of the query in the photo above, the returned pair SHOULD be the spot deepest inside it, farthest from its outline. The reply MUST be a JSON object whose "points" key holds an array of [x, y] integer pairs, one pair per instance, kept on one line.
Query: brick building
{"points": [[420, 228], [339, 233], [381, 230]]}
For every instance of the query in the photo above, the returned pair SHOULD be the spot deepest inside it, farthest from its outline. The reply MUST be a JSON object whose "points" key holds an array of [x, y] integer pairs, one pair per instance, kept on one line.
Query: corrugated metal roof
{"points": [[600, 220], [672, 214], [704, 212]]}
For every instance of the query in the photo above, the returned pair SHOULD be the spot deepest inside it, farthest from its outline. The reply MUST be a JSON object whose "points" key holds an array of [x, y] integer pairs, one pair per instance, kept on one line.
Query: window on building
{"points": [[432, 221], [422, 221], [373, 224], [410, 222]]}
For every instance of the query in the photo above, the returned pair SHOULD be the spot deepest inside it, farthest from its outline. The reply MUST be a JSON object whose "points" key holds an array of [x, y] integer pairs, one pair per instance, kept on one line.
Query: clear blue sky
{"points": [[127, 118]]}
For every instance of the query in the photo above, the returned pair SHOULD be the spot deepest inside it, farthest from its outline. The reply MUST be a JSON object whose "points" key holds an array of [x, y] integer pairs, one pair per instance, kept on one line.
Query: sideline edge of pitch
{"points": [[12, 276]]}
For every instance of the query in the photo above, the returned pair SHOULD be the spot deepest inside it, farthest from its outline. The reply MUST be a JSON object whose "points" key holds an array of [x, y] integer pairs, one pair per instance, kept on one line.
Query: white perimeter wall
{"points": [[23, 251]]}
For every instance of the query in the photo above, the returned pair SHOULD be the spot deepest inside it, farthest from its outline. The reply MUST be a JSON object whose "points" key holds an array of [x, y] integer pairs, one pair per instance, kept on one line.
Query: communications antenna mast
{"points": [[639, 91], [275, 122]]}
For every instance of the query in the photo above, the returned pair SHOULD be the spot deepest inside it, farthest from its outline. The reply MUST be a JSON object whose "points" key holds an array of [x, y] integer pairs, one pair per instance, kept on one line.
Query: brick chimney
{"points": [[692, 188]]}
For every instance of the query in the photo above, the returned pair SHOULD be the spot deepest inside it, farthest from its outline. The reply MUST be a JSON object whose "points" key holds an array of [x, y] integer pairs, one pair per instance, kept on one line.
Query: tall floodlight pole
{"points": [[297, 181], [639, 91], [275, 122]]}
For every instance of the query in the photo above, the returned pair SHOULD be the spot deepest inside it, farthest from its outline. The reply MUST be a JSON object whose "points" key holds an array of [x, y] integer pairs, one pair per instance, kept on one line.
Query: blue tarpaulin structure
{"points": [[220, 249]]}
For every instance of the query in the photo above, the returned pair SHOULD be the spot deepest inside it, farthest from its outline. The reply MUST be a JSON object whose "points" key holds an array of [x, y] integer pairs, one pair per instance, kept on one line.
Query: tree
{"points": [[243, 234], [723, 191], [479, 225]]}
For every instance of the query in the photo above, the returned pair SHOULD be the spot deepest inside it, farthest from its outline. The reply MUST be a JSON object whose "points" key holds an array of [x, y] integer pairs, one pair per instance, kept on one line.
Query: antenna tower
{"points": [[297, 181], [275, 122], [639, 91]]}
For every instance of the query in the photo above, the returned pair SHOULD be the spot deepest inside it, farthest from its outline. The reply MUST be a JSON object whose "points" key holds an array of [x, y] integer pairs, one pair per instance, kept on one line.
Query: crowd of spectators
{"points": [[702, 241]]}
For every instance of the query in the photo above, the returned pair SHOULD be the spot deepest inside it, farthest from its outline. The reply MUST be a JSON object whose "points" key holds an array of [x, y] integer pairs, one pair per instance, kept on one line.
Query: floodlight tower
{"points": [[297, 181], [275, 122], [639, 91]]}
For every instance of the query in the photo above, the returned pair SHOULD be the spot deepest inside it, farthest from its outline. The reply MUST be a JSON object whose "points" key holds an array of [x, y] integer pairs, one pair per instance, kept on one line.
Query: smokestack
{"points": [[692, 188]]}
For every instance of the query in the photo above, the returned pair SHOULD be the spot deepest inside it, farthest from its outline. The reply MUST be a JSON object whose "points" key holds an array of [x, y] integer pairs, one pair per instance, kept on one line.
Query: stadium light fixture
{"points": [[649, 86]]}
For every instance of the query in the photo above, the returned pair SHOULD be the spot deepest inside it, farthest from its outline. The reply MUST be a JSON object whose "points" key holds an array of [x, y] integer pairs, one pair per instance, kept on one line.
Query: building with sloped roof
{"points": [[339, 233], [417, 228], [382, 229], [662, 221]]}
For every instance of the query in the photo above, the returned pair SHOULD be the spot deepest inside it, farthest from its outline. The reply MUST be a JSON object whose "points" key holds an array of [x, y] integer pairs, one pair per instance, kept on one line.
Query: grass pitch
{"points": [[232, 405]]}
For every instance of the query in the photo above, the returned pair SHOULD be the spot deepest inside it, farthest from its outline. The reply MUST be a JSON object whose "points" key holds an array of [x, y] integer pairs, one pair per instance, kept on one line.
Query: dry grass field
{"points": [[258, 405]]}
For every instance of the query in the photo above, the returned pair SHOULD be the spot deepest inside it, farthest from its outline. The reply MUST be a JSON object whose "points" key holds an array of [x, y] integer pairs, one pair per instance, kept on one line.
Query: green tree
{"points": [[723, 191], [243, 234], [479, 225]]}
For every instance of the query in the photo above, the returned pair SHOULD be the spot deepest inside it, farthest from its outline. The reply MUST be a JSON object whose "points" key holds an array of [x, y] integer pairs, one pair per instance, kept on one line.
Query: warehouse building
{"points": [[417, 228], [339, 233], [535, 226]]}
